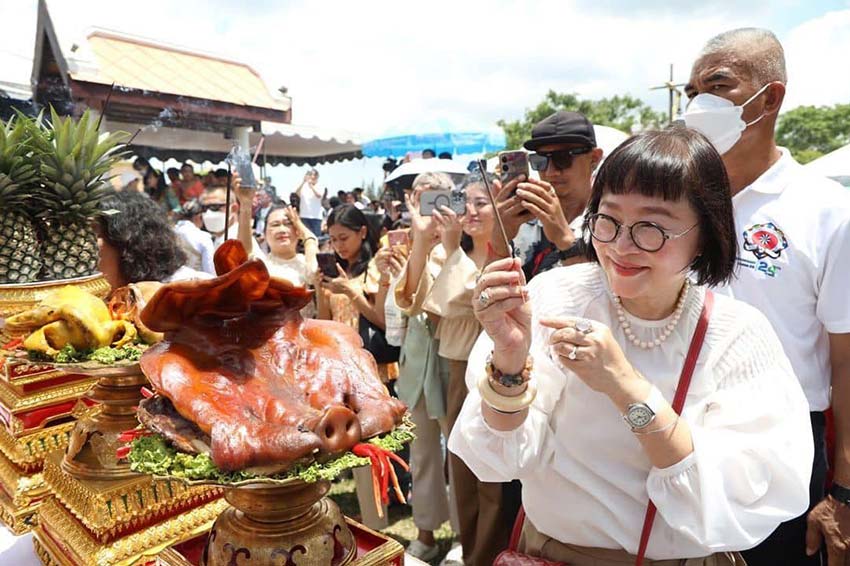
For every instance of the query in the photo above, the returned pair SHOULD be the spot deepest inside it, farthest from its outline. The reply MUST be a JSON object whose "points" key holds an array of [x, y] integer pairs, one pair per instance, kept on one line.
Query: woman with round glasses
{"points": [[573, 380]]}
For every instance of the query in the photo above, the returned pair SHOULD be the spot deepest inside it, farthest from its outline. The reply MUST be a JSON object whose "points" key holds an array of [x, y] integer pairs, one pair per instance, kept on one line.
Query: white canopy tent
{"points": [[835, 164], [284, 143]]}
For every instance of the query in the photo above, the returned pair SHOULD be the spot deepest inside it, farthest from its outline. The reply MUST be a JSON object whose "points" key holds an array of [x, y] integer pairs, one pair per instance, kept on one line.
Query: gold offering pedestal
{"points": [[100, 511], [38, 403], [286, 522]]}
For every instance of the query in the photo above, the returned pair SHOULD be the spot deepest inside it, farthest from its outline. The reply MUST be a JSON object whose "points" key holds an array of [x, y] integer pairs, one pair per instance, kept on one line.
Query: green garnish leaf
{"points": [[154, 455]]}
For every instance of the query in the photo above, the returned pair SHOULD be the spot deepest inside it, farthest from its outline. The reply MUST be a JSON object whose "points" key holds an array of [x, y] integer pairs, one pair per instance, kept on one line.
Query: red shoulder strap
{"points": [[678, 403]]}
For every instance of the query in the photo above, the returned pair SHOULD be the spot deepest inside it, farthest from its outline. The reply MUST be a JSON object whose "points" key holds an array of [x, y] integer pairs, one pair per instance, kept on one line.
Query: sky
{"points": [[382, 68]]}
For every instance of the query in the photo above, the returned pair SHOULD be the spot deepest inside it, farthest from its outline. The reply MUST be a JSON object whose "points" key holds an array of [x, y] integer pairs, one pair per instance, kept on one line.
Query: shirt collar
{"points": [[775, 179]]}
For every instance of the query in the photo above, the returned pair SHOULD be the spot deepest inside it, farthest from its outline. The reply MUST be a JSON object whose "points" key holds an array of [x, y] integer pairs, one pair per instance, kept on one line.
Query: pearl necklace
{"points": [[668, 329]]}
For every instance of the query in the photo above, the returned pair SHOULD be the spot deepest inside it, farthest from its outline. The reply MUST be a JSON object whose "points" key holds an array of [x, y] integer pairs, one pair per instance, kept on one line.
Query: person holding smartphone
{"points": [[439, 281], [565, 154], [310, 200], [355, 287]]}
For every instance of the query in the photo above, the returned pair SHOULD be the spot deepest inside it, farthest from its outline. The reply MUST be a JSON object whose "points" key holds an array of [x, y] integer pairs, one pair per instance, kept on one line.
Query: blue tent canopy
{"points": [[454, 143]]}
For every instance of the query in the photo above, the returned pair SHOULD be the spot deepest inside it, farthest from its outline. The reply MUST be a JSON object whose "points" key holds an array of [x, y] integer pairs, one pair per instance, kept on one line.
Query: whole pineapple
{"points": [[20, 258], [74, 158]]}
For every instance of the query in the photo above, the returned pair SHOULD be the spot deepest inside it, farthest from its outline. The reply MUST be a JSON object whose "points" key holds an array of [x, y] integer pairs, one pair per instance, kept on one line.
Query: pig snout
{"points": [[338, 429]]}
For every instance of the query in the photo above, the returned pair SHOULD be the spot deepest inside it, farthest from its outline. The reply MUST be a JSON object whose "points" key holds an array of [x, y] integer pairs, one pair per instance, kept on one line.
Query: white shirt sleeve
{"points": [[207, 254], [498, 456], [833, 308], [740, 482]]}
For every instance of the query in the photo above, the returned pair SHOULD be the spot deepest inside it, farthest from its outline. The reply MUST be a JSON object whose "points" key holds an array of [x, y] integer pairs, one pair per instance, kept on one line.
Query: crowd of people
{"points": [[691, 284]]}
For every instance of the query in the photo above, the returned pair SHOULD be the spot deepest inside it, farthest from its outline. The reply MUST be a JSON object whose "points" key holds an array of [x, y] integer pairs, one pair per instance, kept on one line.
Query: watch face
{"points": [[639, 416]]}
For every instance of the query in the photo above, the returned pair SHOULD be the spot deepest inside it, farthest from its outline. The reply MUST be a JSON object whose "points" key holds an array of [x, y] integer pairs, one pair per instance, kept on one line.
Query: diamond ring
{"points": [[484, 298], [584, 326], [573, 355]]}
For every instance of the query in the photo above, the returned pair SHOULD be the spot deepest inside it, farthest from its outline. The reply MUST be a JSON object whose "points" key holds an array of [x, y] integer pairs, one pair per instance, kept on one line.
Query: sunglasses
{"points": [[562, 159], [213, 207]]}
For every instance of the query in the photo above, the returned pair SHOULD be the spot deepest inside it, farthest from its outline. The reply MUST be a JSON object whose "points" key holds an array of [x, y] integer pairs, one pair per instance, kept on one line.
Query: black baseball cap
{"points": [[562, 127]]}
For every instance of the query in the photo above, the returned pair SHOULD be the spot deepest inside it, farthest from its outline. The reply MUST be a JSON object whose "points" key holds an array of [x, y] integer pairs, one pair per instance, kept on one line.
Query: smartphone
{"points": [[240, 160], [327, 264], [398, 237], [512, 164], [429, 201]]}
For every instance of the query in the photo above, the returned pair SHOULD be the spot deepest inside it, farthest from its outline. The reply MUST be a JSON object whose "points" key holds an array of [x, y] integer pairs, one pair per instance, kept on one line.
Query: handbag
{"points": [[375, 341], [512, 557]]}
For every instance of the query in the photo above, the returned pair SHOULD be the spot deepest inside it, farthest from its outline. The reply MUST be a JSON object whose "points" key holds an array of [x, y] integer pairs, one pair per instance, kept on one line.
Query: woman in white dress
{"points": [[283, 230], [605, 342]]}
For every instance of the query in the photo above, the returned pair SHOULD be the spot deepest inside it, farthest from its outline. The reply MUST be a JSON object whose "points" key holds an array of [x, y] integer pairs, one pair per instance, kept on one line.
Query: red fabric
{"points": [[678, 403], [195, 190], [511, 557]]}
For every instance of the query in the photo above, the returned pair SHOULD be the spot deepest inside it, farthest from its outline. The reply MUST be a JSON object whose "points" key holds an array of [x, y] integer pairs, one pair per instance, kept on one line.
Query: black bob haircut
{"points": [[671, 164], [147, 246]]}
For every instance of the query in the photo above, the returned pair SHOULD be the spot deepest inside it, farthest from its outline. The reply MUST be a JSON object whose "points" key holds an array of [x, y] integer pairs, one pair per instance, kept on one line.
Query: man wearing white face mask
{"points": [[214, 217], [794, 237]]}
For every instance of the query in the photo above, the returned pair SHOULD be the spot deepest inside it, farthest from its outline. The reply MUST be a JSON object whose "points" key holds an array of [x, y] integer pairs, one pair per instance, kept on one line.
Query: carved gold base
{"points": [[373, 549], [290, 522], [111, 508], [20, 495], [28, 451], [61, 539]]}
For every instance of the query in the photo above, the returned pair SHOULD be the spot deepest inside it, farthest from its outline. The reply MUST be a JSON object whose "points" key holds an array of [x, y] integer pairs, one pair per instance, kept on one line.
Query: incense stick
{"points": [[227, 204], [105, 106], [482, 168], [259, 149]]}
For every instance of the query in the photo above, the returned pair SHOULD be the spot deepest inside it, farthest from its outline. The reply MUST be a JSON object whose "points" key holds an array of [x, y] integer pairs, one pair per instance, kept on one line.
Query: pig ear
{"points": [[282, 291], [226, 296], [229, 256]]}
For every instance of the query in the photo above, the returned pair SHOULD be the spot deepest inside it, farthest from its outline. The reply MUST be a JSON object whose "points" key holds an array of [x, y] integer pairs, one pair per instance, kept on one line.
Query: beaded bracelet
{"points": [[507, 379]]}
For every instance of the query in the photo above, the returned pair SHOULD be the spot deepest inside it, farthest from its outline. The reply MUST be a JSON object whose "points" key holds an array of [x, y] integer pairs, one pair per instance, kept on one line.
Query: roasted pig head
{"points": [[263, 387]]}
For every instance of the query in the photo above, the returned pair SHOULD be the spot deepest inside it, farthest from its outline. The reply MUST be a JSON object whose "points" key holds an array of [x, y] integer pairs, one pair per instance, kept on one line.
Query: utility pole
{"points": [[675, 95]]}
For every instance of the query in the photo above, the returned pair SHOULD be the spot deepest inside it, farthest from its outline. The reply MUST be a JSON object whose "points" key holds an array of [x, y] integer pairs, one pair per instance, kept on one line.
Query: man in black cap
{"points": [[565, 155]]}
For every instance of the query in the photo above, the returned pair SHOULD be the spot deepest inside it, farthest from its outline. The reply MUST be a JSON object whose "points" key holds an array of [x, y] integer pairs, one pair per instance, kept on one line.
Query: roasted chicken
{"points": [[70, 316], [258, 384]]}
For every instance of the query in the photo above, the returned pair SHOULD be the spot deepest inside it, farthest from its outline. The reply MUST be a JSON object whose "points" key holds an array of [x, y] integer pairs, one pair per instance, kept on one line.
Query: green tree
{"points": [[625, 113], [811, 131]]}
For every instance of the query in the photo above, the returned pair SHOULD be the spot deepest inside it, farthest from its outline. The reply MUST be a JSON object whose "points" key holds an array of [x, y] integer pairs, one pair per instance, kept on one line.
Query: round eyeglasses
{"points": [[648, 236]]}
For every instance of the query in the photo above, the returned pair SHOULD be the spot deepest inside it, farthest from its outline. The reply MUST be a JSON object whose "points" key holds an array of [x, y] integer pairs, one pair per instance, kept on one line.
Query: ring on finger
{"points": [[584, 326], [573, 355], [484, 298]]}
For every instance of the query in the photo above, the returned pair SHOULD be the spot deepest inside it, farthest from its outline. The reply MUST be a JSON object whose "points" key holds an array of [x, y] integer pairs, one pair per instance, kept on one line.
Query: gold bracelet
{"points": [[662, 429], [503, 403]]}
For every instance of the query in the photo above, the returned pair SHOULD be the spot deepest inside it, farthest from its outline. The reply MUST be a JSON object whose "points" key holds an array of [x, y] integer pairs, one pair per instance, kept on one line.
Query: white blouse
{"points": [[586, 478]]}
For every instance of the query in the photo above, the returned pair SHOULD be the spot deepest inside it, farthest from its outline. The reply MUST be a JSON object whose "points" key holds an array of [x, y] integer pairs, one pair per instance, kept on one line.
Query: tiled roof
{"points": [[138, 64]]}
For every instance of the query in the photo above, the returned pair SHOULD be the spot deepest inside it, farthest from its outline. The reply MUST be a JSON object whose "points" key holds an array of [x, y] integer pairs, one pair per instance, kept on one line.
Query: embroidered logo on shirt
{"points": [[765, 240]]}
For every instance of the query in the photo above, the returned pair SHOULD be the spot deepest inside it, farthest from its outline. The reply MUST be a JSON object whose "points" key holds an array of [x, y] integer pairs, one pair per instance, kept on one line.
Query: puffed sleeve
{"points": [[499, 456], [412, 306], [451, 292], [753, 447]]}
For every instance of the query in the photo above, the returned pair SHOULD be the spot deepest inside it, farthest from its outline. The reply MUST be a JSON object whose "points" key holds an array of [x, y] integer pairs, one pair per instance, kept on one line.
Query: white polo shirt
{"points": [[794, 265]]}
